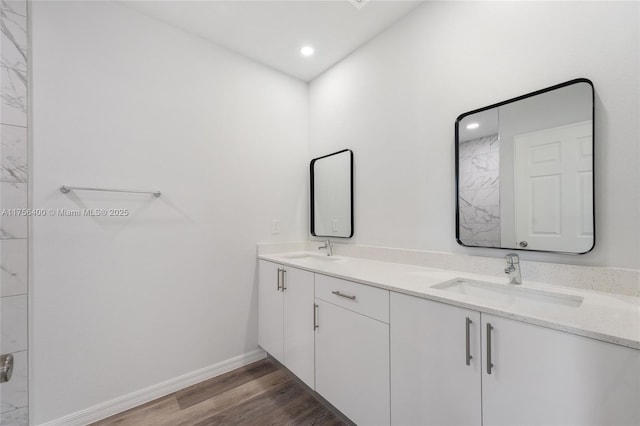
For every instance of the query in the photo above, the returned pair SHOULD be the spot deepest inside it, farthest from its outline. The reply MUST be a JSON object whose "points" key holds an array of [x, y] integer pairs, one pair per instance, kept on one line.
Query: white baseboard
{"points": [[126, 402]]}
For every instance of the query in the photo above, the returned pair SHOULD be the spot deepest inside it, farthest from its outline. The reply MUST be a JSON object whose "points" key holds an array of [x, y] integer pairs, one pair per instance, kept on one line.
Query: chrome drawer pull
{"points": [[468, 341], [315, 317], [489, 362], [346, 296], [283, 287], [278, 280]]}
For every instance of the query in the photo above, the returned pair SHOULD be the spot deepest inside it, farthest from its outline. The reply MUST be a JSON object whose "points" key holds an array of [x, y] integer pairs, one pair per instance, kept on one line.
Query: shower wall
{"points": [[14, 232]]}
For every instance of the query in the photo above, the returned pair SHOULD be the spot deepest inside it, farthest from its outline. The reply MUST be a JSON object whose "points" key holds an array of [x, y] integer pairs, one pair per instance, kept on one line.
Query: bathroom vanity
{"points": [[390, 343]]}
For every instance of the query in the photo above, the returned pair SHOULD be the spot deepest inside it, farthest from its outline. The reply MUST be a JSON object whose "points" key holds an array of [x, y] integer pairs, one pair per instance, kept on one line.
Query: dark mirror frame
{"points": [[508, 101], [312, 194]]}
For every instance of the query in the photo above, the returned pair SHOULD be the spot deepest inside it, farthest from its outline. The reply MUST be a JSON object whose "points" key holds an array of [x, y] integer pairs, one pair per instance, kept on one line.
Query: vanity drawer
{"points": [[363, 299]]}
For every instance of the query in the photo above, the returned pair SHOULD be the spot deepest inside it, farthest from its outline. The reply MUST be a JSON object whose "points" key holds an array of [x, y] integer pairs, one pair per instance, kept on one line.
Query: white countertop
{"points": [[603, 316]]}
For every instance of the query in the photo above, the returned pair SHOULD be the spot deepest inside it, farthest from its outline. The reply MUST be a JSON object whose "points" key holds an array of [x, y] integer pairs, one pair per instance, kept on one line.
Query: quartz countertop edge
{"points": [[606, 317]]}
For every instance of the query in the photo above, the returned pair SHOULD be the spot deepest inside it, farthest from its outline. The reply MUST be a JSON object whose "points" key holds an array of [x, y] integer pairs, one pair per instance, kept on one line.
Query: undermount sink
{"points": [[312, 257], [508, 293]]}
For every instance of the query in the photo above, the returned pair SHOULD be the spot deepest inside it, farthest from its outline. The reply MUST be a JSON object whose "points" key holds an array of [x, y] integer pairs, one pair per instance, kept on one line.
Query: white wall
{"points": [[121, 100], [395, 100]]}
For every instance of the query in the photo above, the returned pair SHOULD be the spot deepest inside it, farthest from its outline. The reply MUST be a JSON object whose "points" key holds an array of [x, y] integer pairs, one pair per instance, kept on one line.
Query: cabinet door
{"points": [[298, 324], [431, 383], [543, 376], [352, 364], [270, 309]]}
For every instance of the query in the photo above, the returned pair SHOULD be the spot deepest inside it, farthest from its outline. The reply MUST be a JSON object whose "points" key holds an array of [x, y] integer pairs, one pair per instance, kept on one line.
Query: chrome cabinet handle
{"points": [[468, 340], [284, 271], [315, 316], [346, 296], [6, 367], [489, 363], [278, 280]]}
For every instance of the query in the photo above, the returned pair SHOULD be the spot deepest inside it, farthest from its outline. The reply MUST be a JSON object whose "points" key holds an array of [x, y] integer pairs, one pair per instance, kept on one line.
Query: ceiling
{"points": [[273, 32], [488, 124]]}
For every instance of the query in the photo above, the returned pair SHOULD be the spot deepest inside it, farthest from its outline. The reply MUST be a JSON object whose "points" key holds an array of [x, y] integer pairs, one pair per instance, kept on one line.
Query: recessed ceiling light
{"points": [[472, 126], [307, 51]]}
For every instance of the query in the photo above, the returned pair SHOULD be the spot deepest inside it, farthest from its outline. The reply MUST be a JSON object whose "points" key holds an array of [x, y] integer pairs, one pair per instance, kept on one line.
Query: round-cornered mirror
{"points": [[524, 172], [332, 195]]}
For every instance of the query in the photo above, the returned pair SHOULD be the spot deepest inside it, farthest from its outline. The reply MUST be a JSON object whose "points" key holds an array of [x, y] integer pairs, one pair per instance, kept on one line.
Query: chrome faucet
{"points": [[327, 245], [513, 268]]}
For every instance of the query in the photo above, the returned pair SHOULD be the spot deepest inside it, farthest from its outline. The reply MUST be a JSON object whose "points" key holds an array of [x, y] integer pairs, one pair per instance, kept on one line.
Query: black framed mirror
{"points": [[331, 178], [524, 172]]}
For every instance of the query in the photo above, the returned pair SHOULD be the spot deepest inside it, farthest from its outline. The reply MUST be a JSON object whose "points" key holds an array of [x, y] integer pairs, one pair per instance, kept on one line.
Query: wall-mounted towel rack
{"points": [[66, 189]]}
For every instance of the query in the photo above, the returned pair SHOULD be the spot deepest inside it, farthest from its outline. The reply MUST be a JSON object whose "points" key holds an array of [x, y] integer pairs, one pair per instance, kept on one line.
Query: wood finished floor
{"points": [[261, 393]]}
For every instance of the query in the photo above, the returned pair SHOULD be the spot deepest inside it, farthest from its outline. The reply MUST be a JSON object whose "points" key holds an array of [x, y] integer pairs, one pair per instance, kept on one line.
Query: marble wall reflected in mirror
{"points": [[524, 171], [332, 195]]}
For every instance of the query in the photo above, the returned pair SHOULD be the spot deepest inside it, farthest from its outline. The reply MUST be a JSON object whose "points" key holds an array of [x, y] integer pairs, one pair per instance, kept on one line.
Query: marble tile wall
{"points": [[14, 195], [479, 194]]}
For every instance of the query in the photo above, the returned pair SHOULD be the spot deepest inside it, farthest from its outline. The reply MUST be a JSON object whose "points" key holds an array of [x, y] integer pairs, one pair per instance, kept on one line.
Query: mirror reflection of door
{"points": [[553, 189]]}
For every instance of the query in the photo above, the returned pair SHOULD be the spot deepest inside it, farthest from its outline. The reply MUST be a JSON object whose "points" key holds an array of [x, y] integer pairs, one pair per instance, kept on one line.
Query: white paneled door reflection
{"points": [[554, 189]]}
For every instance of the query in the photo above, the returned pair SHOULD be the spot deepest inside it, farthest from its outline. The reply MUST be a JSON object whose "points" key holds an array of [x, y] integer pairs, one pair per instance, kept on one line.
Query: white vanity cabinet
{"points": [[285, 317], [545, 376], [436, 363], [537, 376], [352, 349]]}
